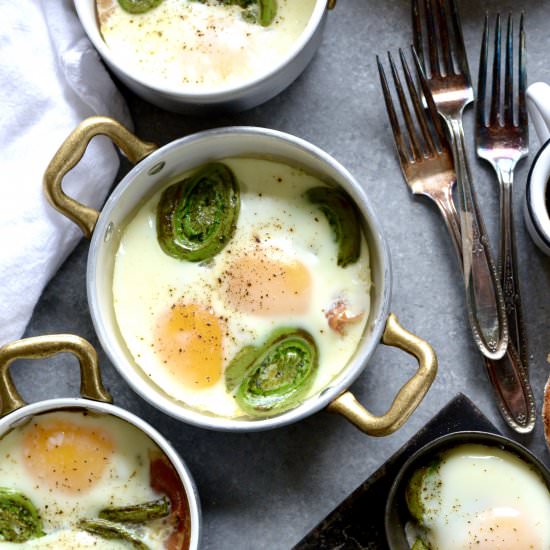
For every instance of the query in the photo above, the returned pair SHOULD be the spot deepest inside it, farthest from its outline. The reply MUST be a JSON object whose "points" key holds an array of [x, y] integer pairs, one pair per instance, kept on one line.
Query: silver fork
{"points": [[503, 143], [448, 78], [426, 161], [502, 139], [424, 154]]}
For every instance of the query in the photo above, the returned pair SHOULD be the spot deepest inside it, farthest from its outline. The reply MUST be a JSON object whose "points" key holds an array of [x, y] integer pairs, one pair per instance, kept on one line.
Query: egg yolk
{"points": [[262, 285], [65, 456], [189, 342], [502, 529]]}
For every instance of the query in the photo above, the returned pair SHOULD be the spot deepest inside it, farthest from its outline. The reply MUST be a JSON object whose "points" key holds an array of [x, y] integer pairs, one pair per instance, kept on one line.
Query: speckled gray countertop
{"points": [[267, 490]]}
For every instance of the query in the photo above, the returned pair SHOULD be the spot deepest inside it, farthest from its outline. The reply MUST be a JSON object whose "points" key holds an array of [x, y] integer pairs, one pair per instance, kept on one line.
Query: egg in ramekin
{"points": [[75, 479], [202, 45], [186, 322], [477, 496]]}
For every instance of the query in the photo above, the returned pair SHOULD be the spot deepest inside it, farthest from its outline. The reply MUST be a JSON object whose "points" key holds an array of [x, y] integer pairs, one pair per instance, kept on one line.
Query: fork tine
{"points": [[421, 114], [509, 75], [495, 94], [432, 38], [434, 115], [415, 144], [459, 49], [417, 30], [402, 148], [522, 107], [445, 40], [481, 111]]}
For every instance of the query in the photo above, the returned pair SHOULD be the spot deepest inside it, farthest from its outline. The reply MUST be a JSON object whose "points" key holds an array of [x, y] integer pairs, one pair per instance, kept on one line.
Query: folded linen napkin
{"points": [[51, 78]]}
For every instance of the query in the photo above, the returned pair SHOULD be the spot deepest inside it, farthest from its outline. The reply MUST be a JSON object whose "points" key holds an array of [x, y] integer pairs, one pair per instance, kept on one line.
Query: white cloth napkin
{"points": [[51, 79]]}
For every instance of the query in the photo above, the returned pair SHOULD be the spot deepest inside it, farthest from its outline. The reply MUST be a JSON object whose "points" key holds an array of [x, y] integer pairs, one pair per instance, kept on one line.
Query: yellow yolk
{"points": [[502, 529], [189, 342], [66, 456], [262, 285]]}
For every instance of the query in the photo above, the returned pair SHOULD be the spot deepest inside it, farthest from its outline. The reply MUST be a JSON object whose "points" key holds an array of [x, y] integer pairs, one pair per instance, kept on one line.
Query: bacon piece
{"points": [[104, 8], [546, 413], [338, 317], [165, 480]]}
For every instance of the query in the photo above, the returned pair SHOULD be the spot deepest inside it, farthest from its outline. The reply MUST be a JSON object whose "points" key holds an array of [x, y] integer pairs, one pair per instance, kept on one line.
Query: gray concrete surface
{"points": [[267, 490]]}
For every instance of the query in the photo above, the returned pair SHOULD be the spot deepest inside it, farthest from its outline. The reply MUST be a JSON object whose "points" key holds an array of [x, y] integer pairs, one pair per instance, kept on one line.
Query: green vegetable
{"points": [[268, 11], [343, 218], [273, 377], [111, 531], [239, 366], [138, 6], [19, 518], [196, 217], [419, 544], [423, 485], [261, 12], [138, 513]]}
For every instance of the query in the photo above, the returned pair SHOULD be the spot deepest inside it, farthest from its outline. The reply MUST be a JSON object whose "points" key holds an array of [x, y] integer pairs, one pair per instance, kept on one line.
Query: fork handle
{"points": [[508, 261], [444, 201], [508, 376], [523, 411], [483, 291]]}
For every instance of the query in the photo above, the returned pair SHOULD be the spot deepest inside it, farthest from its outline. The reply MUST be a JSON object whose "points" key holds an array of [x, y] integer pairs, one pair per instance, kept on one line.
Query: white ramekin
{"points": [[536, 214], [234, 98]]}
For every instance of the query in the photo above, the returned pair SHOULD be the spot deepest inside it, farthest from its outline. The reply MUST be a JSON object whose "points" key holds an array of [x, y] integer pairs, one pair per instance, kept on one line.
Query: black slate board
{"points": [[358, 522]]}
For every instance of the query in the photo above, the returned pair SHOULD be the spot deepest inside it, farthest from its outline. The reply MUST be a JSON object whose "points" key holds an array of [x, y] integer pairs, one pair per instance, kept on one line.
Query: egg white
{"points": [[75, 540], [125, 481], [190, 44], [146, 281], [475, 480]]}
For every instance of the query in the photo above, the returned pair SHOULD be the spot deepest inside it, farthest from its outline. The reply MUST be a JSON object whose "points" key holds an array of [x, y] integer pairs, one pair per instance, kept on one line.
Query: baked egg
{"points": [[82, 480], [478, 497], [201, 45], [279, 287]]}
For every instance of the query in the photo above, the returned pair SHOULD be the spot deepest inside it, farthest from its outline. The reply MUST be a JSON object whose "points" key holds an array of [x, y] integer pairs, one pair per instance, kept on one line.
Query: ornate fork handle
{"points": [[508, 376], [509, 277], [505, 380], [484, 294]]}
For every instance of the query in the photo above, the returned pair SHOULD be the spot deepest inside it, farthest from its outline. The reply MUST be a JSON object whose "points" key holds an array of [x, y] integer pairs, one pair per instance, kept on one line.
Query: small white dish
{"points": [[250, 93], [537, 216]]}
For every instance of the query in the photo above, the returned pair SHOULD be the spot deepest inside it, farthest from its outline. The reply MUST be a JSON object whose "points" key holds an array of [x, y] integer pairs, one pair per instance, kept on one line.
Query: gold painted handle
{"points": [[408, 397], [331, 4], [39, 347], [70, 153]]}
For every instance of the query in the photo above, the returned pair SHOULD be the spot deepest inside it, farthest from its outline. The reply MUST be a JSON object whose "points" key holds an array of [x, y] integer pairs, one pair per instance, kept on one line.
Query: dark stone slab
{"points": [[358, 522]]}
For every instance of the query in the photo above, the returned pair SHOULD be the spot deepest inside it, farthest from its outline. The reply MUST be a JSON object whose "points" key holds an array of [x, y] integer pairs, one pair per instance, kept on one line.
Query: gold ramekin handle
{"points": [[70, 153], [331, 4], [408, 397], [39, 347]]}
